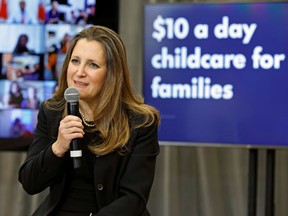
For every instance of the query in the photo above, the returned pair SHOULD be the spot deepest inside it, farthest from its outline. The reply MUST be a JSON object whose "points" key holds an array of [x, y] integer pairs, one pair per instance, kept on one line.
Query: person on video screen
{"points": [[22, 15], [116, 131], [64, 43], [21, 46], [17, 128], [31, 101], [91, 14], [53, 15], [15, 96]]}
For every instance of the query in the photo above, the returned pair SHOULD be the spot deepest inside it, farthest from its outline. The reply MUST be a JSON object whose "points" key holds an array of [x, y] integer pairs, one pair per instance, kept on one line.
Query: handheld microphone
{"points": [[72, 96]]}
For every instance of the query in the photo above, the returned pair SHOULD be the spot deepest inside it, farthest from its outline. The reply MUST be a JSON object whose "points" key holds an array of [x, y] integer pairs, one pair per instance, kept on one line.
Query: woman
{"points": [[21, 46], [31, 101], [118, 133], [53, 15], [15, 97]]}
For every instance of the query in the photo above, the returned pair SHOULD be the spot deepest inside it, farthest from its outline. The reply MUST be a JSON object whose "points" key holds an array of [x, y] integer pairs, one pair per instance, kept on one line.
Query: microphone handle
{"points": [[75, 150], [75, 153], [73, 108]]}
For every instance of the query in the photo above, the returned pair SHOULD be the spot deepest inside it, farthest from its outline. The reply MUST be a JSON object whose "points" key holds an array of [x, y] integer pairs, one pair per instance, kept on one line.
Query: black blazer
{"points": [[122, 183]]}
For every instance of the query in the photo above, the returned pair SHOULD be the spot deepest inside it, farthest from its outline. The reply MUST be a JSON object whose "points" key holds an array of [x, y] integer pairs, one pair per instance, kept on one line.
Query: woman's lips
{"points": [[80, 83]]}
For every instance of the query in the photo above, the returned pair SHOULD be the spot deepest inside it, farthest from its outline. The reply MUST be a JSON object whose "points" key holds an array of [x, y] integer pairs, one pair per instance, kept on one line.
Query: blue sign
{"points": [[218, 73]]}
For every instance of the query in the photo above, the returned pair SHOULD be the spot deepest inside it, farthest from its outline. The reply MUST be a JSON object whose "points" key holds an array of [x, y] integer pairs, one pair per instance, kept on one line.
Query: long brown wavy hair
{"points": [[117, 100]]}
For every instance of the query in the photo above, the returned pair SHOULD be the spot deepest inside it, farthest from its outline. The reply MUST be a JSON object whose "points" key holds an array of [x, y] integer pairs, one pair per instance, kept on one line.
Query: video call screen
{"points": [[35, 36]]}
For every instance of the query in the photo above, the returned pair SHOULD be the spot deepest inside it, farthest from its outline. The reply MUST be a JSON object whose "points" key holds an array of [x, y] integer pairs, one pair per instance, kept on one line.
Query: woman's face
{"points": [[23, 40], [15, 88], [31, 92], [87, 69]]}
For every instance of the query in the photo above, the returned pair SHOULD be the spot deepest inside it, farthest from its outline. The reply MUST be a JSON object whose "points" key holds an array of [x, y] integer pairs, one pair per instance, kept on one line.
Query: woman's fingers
{"points": [[70, 128]]}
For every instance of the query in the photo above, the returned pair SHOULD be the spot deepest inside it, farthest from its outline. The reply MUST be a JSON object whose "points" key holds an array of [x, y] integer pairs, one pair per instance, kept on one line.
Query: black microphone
{"points": [[72, 96]]}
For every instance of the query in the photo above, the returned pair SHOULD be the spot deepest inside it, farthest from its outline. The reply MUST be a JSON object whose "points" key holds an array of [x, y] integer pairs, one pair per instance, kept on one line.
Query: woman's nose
{"points": [[81, 71]]}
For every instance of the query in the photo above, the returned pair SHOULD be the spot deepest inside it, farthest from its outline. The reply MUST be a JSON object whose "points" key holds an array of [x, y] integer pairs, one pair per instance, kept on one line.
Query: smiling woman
{"points": [[87, 71], [119, 145]]}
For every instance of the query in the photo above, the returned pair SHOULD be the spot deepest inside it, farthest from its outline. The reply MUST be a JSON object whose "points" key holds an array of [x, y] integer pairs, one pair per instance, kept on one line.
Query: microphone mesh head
{"points": [[71, 94]]}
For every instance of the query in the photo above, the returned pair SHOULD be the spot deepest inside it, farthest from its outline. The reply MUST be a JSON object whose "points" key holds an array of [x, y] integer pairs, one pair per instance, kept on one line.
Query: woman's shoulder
{"points": [[142, 119], [51, 107]]}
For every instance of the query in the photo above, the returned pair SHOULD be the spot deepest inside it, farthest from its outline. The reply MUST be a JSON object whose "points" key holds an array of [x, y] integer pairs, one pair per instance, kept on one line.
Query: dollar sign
{"points": [[160, 31]]}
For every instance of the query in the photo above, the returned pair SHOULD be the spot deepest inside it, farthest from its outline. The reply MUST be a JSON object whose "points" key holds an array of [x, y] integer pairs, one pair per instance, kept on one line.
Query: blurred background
{"points": [[191, 178]]}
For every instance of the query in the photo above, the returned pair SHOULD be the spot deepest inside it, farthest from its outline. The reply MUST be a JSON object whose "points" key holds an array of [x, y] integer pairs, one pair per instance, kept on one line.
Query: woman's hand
{"points": [[70, 128]]}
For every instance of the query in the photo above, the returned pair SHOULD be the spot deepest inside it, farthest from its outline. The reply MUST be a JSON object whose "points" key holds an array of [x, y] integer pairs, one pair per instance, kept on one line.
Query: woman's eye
{"points": [[75, 61], [93, 65]]}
